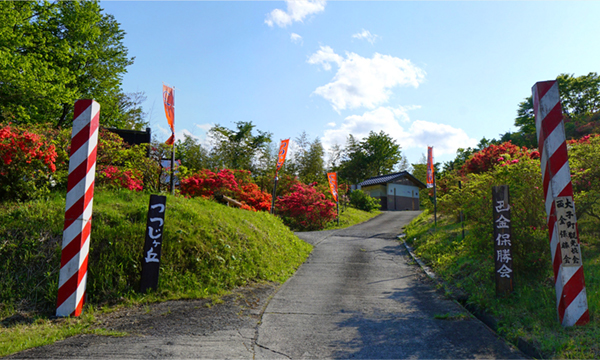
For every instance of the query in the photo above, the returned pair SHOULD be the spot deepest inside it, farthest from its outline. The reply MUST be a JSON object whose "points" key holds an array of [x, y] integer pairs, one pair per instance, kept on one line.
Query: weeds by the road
{"points": [[42, 331], [528, 313]]}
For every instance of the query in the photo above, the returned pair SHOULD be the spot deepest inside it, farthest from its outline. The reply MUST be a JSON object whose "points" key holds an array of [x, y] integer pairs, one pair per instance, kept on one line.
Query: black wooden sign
{"points": [[152, 246], [502, 240]]}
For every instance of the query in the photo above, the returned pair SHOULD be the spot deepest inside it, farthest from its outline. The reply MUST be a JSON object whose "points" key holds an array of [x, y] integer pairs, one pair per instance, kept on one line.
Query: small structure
{"points": [[399, 191]]}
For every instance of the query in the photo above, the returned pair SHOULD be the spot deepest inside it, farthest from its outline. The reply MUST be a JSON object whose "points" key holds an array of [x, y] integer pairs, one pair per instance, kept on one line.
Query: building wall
{"points": [[375, 190], [406, 197], [402, 197]]}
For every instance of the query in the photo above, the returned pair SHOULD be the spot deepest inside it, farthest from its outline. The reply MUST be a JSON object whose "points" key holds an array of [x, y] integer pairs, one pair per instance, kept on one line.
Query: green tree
{"points": [[580, 100], [377, 154], [52, 54], [237, 149], [192, 154], [352, 162], [311, 166]]}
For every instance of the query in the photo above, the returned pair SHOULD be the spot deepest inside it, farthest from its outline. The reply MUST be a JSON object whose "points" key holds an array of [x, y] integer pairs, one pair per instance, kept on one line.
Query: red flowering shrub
{"points": [[305, 208], [484, 160], [113, 177], [236, 184], [584, 140], [26, 163]]}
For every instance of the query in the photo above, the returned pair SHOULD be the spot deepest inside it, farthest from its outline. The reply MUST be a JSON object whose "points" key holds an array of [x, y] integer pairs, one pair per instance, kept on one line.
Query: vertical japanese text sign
{"points": [[152, 246], [569, 283], [78, 209], [502, 240]]}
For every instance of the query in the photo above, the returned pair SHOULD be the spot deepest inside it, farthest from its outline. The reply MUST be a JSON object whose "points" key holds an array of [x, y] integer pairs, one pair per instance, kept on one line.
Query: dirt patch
{"points": [[242, 309]]}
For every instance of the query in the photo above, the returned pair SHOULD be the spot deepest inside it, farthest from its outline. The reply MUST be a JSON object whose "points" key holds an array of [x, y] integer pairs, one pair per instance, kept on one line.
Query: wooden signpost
{"points": [[502, 240], [153, 244]]}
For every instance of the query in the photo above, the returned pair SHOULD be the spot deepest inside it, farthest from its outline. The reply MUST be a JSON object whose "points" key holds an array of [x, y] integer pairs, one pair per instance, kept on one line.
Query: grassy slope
{"points": [[208, 248], [351, 216], [530, 312]]}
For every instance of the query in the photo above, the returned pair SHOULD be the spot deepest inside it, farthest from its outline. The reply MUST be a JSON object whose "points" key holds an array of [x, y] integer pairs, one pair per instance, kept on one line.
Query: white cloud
{"points": [[331, 124], [366, 35], [205, 127], [296, 38], [363, 82], [325, 56], [419, 134], [297, 10], [164, 133], [444, 138]]}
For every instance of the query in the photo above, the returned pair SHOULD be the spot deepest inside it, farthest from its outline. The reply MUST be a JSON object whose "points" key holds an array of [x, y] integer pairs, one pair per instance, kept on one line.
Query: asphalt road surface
{"points": [[358, 295]]}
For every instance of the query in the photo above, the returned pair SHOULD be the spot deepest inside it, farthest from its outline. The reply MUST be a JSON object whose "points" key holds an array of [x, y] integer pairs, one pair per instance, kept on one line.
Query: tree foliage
{"points": [[310, 163], [238, 149], [52, 54], [580, 100], [377, 154]]}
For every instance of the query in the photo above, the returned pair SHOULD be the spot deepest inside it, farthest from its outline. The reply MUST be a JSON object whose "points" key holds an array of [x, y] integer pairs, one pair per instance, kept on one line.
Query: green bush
{"points": [[528, 216], [362, 201]]}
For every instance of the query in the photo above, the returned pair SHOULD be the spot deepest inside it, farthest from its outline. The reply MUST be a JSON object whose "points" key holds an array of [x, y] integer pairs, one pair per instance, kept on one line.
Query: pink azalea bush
{"points": [[305, 208], [113, 177], [27, 161], [236, 184]]}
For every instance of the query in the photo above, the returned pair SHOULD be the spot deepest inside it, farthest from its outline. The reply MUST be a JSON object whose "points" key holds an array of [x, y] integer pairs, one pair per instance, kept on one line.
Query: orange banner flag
{"points": [[283, 149], [333, 185], [169, 101], [430, 167]]}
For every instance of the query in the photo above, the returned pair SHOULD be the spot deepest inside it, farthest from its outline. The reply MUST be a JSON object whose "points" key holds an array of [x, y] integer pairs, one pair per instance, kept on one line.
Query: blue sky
{"points": [[443, 74]]}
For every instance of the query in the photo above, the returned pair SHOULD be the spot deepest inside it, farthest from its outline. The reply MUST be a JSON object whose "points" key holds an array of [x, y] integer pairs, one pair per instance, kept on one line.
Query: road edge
{"points": [[488, 320]]}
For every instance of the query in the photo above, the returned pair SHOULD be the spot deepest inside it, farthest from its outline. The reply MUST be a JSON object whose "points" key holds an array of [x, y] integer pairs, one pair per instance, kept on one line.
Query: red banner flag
{"points": [[333, 185], [430, 167], [169, 101], [283, 149]]}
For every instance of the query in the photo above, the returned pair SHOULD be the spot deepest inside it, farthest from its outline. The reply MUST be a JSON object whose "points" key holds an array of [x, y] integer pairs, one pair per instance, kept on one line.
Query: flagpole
{"points": [[274, 194], [173, 168], [283, 149], [173, 150], [434, 202], [338, 210]]}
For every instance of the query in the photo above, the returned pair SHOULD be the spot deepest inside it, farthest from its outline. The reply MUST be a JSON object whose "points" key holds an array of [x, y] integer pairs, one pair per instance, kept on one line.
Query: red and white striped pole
{"points": [[78, 209], [567, 264]]}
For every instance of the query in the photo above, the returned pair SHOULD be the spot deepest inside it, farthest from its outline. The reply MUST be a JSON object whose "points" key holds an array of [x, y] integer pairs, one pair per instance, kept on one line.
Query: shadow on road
{"points": [[438, 329]]}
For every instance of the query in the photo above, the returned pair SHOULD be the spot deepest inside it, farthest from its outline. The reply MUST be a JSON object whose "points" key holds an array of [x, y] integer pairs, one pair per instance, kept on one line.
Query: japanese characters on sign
{"points": [[152, 246], [566, 224], [502, 240]]}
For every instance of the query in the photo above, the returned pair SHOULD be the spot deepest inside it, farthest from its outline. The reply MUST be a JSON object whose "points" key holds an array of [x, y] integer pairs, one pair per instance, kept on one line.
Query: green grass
{"points": [[208, 249], [43, 332], [530, 311], [351, 216]]}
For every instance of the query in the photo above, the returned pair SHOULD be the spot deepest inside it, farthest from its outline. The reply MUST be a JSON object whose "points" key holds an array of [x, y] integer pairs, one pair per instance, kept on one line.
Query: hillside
{"points": [[208, 248]]}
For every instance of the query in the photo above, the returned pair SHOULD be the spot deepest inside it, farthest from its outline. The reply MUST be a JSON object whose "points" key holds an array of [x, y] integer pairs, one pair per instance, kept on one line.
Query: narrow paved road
{"points": [[359, 296]]}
